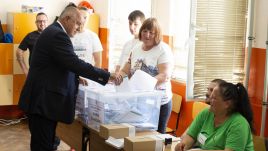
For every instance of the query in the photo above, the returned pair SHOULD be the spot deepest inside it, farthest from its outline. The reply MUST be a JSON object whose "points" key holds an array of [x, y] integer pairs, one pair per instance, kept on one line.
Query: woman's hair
{"points": [[238, 96], [151, 24]]}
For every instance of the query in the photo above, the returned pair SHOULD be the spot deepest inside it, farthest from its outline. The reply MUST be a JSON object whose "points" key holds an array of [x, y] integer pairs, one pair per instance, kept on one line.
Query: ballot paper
{"points": [[124, 86], [117, 143], [129, 117], [139, 82], [142, 81]]}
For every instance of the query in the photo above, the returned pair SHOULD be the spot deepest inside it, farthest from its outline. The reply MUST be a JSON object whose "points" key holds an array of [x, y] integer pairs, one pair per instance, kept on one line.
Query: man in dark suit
{"points": [[49, 93]]}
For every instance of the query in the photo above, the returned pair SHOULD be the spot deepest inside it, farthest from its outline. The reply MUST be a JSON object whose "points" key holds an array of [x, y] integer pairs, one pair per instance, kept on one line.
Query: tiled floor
{"points": [[17, 138]]}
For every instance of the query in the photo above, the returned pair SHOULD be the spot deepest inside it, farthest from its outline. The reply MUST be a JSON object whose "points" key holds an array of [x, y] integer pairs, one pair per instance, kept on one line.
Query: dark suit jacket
{"points": [[51, 86]]}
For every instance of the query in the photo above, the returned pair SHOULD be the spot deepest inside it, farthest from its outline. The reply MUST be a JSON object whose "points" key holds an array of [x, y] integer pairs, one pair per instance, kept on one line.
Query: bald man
{"points": [[29, 40], [49, 93]]}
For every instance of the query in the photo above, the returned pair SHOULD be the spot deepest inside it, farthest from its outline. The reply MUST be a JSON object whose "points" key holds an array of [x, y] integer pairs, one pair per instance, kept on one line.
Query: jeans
{"points": [[165, 111]]}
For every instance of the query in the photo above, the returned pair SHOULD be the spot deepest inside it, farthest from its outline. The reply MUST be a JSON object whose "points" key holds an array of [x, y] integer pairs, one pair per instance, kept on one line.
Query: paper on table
{"points": [[117, 143], [142, 81]]}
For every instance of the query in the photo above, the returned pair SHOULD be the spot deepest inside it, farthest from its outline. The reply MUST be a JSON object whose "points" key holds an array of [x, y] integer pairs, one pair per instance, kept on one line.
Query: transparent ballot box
{"points": [[105, 106]]}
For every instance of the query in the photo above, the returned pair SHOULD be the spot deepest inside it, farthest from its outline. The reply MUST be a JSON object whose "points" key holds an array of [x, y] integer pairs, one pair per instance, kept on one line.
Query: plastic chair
{"points": [[198, 107], [176, 106], [259, 143]]}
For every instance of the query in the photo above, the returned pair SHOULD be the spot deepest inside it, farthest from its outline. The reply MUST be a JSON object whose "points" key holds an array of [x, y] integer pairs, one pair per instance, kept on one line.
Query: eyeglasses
{"points": [[41, 21]]}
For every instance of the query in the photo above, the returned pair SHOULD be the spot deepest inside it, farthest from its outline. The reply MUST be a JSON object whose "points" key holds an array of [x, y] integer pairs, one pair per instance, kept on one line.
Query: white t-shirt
{"points": [[85, 44], [128, 46], [147, 61]]}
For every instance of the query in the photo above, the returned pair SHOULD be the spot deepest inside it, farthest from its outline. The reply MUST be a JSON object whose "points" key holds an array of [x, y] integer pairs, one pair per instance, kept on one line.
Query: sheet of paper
{"points": [[124, 86], [117, 143], [142, 81]]}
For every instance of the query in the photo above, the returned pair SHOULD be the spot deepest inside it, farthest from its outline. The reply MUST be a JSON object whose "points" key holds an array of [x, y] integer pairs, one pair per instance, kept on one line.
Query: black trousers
{"points": [[42, 133]]}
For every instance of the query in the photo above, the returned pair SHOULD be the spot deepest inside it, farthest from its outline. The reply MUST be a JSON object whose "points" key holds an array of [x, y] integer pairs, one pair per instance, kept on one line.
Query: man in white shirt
{"points": [[135, 19], [86, 43]]}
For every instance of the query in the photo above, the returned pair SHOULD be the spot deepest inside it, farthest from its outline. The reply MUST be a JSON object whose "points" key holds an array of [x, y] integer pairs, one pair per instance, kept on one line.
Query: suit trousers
{"points": [[42, 132]]}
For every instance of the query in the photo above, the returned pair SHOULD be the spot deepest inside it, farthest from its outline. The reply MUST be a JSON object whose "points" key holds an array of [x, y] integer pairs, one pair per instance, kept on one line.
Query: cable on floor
{"points": [[4, 122]]}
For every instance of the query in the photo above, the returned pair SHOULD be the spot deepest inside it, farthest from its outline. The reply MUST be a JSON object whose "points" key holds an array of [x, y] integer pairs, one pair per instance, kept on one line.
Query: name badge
{"points": [[201, 138]]}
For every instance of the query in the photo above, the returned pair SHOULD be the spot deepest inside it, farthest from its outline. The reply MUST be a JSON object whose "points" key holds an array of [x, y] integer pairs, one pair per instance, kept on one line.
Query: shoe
{"points": [[56, 143]]}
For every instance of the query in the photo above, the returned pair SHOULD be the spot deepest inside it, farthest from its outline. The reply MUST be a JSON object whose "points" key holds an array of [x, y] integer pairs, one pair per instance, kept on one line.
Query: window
{"points": [[181, 38], [218, 49]]}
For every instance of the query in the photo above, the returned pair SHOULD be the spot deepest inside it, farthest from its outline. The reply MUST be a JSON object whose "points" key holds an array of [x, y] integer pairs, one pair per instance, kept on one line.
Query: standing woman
{"points": [[155, 58], [227, 125]]}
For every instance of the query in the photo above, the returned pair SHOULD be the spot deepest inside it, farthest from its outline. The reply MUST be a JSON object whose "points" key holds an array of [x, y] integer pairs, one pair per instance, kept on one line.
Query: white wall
{"points": [[51, 7], [161, 10], [261, 23]]}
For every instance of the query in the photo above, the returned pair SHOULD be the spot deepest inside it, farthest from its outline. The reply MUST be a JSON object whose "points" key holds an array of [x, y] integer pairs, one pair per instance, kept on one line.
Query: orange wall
{"points": [[168, 40], [4, 26], [256, 86], [104, 34]]}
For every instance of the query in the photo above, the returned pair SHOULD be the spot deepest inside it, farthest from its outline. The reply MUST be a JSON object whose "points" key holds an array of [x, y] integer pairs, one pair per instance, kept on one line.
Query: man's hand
{"points": [[116, 78], [83, 81]]}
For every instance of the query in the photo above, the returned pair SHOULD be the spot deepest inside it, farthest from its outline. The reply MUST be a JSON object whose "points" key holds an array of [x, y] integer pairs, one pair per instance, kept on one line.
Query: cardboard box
{"points": [[116, 130], [143, 143]]}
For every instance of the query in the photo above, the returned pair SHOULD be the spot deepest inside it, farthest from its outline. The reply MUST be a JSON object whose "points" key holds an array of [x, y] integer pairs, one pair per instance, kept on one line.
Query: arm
{"points": [[117, 68], [185, 144], [164, 73], [125, 71], [62, 53], [98, 58], [20, 59]]}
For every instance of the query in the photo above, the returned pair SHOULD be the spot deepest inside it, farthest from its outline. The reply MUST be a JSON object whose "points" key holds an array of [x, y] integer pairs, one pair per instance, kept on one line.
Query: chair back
{"points": [[176, 103], [176, 107], [259, 143], [198, 107]]}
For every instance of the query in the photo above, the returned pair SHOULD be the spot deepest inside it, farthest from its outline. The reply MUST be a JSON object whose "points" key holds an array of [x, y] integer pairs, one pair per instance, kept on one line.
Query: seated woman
{"points": [[226, 125]]}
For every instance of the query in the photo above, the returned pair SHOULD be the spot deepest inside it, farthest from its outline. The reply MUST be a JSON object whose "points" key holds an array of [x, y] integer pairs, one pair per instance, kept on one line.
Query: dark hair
{"points": [[41, 13], [218, 81], [152, 24], [71, 4], [238, 96], [136, 14]]}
